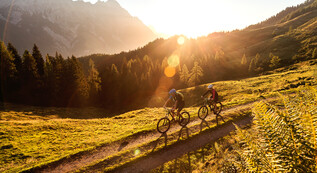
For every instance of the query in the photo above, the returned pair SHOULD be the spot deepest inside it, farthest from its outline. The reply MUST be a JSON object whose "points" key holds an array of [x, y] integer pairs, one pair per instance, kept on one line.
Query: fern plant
{"points": [[282, 139]]}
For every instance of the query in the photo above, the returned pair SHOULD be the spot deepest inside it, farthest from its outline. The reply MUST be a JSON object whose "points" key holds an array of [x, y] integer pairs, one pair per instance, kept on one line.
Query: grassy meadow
{"points": [[32, 136], [281, 139]]}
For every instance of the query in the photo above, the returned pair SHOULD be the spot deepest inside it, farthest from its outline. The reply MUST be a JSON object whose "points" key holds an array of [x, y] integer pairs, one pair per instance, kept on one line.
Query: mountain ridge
{"points": [[283, 37], [72, 27]]}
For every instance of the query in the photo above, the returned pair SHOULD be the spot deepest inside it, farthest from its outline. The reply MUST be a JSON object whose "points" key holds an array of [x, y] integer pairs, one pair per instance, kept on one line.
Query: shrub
{"points": [[283, 139]]}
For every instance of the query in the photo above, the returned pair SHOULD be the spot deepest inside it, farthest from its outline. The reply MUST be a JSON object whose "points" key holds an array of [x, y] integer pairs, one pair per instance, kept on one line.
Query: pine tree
{"points": [[17, 58], [244, 60], [257, 60], [115, 87], [16, 84], [114, 70], [275, 62], [196, 74], [59, 68], [147, 62], [30, 73], [7, 72], [184, 74], [93, 80], [50, 80], [314, 54], [39, 60], [219, 55], [252, 65], [124, 66], [29, 77], [79, 83], [7, 66]]}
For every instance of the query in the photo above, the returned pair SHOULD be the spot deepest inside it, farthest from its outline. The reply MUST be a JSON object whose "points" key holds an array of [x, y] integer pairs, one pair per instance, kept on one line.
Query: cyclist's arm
{"points": [[174, 107], [167, 101], [205, 93]]}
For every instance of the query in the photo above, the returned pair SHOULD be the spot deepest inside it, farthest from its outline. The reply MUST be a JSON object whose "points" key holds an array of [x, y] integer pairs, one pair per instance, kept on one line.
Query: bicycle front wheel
{"points": [[202, 112], [163, 125], [184, 119]]}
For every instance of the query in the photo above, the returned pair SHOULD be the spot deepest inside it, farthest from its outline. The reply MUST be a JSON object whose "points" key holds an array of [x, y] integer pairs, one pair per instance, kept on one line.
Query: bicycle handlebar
{"points": [[168, 110]]}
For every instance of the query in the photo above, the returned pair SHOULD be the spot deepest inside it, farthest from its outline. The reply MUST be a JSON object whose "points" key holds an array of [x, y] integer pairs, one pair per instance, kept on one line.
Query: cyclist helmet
{"points": [[210, 86], [172, 91]]}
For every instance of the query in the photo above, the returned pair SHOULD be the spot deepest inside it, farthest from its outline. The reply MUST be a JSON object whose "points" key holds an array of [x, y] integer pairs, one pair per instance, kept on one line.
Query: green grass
{"points": [[39, 141], [250, 89], [33, 136]]}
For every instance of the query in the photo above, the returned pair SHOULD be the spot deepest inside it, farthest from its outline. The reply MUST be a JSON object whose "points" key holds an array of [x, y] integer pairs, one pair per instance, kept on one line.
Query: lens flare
{"points": [[7, 21], [173, 60], [181, 40], [169, 71], [137, 152]]}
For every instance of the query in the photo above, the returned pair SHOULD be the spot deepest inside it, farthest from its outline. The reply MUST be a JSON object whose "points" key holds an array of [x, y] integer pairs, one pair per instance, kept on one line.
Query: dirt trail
{"points": [[158, 158], [77, 161]]}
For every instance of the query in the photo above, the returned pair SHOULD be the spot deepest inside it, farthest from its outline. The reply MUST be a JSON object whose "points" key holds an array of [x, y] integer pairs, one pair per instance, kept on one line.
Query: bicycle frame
{"points": [[169, 112], [208, 103]]}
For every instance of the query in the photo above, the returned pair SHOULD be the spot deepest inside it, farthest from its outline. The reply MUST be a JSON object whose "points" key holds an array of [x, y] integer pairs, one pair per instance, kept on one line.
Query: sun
{"points": [[181, 40]]}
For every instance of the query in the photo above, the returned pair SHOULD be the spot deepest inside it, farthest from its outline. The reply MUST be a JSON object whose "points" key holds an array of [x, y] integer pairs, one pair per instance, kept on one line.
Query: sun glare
{"points": [[137, 152], [181, 40]]}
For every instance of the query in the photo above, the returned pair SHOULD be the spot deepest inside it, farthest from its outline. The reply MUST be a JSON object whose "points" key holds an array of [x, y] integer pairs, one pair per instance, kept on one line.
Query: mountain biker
{"points": [[214, 96], [178, 98]]}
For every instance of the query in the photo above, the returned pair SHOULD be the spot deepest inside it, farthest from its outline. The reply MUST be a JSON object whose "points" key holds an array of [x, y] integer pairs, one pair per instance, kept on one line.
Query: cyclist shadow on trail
{"points": [[218, 115], [203, 121], [183, 133], [158, 140], [188, 161]]}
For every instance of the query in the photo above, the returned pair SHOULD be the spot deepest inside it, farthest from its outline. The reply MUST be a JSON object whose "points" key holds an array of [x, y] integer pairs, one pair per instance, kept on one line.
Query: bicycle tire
{"points": [[219, 106], [184, 119], [202, 112], [163, 125]]}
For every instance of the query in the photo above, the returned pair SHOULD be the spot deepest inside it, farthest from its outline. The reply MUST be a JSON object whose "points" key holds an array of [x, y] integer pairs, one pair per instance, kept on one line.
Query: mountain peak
{"points": [[73, 27], [113, 2]]}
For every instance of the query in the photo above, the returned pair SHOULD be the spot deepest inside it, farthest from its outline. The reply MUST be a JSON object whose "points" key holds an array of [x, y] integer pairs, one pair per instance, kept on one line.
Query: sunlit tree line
{"points": [[54, 81], [127, 83]]}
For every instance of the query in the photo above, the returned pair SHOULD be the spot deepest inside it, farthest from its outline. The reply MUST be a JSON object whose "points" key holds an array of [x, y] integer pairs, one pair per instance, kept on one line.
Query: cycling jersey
{"points": [[178, 97], [214, 94]]}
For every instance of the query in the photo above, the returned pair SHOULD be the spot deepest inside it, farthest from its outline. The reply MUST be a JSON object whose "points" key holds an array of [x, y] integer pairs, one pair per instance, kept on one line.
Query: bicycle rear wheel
{"points": [[202, 112], [184, 119], [163, 125], [219, 108]]}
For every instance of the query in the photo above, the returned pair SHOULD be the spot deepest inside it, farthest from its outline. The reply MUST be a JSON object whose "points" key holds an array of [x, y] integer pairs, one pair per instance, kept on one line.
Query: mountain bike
{"points": [[203, 110], [164, 123]]}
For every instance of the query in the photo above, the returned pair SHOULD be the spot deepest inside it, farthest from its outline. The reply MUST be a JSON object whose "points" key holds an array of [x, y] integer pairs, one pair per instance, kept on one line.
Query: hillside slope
{"points": [[216, 57], [67, 133], [291, 33]]}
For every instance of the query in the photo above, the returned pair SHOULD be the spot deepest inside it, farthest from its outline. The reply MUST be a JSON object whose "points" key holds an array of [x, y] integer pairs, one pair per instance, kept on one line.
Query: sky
{"points": [[194, 18]]}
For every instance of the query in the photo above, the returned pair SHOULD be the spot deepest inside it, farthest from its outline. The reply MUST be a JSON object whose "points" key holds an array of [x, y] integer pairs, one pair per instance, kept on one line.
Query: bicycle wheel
{"points": [[219, 108], [184, 119], [163, 125], [202, 112]]}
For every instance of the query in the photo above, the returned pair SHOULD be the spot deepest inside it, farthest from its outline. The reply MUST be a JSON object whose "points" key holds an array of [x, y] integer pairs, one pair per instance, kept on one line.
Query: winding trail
{"points": [[158, 158], [83, 159]]}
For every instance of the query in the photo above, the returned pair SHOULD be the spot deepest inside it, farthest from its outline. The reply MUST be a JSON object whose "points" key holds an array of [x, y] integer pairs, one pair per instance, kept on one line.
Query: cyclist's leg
{"points": [[173, 111], [215, 105], [180, 107]]}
